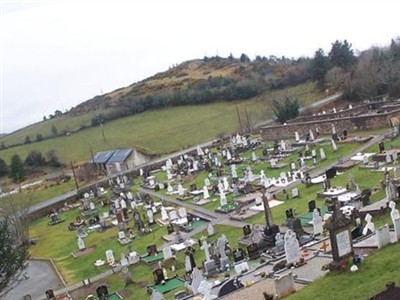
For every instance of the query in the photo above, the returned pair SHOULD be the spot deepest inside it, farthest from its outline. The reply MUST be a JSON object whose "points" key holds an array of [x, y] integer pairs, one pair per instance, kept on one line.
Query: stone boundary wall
{"points": [[364, 122]]}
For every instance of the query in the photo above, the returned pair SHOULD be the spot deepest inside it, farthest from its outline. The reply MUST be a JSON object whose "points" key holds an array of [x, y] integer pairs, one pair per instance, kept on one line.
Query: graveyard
{"points": [[243, 213]]}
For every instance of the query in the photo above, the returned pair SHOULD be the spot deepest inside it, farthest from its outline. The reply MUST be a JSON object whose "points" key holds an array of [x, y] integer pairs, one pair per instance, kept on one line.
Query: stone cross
{"points": [[205, 247], [221, 243], [370, 226], [394, 213]]}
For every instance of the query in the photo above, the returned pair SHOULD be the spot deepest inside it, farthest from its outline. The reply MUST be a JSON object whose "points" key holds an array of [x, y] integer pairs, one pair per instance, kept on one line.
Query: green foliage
{"points": [[286, 109], [13, 258], [319, 68], [52, 158], [27, 140], [342, 55], [35, 159], [54, 130], [17, 169], [39, 137], [3, 168]]}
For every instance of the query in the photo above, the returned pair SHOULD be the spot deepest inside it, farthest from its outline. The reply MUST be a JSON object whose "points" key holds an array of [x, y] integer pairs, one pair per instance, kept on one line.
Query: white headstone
{"points": [[205, 247], [167, 252], [369, 226], [207, 182], [181, 191], [292, 247], [388, 158], [253, 156], [322, 154], [259, 201], [164, 214], [81, 244], [206, 194], [296, 136], [173, 215], [124, 260], [226, 184], [123, 204], [92, 206], [311, 135], [129, 196], [394, 213], [110, 257], [196, 280], [210, 229], [150, 215], [205, 288], [242, 268], [396, 225], [317, 222], [222, 199], [295, 192], [383, 236], [233, 171], [228, 155], [334, 147], [182, 212]]}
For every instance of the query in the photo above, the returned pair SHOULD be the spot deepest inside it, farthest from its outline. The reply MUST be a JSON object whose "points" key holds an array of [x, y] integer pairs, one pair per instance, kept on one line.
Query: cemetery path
{"points": [[201, 212]]}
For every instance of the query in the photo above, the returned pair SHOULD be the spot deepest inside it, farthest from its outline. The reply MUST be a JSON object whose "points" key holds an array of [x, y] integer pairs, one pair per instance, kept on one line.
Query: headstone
{"points": [[222, 199], [322, 154], [124, 260], [284, 285], [205, 247], [205, 288], [333, 129], [292, 247], [296, 136], [110, 257], [164, 214], [311, 206], [210, 229], [383, 236], [334, 147], [242, 268], [226, 184], [311, 135], [233, 171], [295, 193], [181, 191], [317, 222], [238, 255], [224, 259], [196, 280], [279, 243], [102, 292], [81, 243], [252, 251], [158, 275], [253, 157], [206, 194], [207, 182], [156, 295], [167, 252], [150, 216], [246, 230], [381, 147], [173, 216], [182, 212], [396, 225], [394, 213], [133, 258], [369, 227]]}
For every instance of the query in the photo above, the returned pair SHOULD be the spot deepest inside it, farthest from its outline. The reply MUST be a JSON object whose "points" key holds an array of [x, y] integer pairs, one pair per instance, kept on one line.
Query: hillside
{"points": [[165, 130], [190, 83]]}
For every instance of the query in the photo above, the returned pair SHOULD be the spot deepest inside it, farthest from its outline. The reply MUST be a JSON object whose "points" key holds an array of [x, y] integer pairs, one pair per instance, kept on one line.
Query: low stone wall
{"points": [[359, 123]]}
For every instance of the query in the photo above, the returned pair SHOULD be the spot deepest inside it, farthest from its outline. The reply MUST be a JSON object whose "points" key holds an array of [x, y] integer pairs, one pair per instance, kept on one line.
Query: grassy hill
{"points": [[161, 131]]}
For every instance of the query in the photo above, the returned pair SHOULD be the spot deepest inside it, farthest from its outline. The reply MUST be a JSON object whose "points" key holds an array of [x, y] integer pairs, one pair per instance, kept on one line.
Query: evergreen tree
{"points": [[319, 68], [286, 110], [3, 168], [35, 158], [17, 169], [341, 55]]}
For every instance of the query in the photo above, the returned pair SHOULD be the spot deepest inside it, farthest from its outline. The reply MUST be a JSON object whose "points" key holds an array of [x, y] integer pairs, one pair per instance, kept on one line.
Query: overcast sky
{"points": [[56, 54]]}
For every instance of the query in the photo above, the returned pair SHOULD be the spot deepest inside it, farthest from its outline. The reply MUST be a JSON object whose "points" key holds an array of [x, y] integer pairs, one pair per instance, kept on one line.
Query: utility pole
{"points": [[240, 121], [73, 172]]}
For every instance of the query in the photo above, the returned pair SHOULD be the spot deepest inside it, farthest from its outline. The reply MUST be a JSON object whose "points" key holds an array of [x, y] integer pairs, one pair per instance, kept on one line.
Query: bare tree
{"points": [[14, 239]]}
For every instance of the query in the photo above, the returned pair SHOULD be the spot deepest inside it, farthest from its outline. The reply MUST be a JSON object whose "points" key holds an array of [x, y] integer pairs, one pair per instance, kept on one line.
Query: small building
{"points": [[116, 161]]}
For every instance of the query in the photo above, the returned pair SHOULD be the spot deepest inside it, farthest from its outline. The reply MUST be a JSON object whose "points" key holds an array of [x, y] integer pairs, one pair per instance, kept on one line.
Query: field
{"points": [[157, 132]]}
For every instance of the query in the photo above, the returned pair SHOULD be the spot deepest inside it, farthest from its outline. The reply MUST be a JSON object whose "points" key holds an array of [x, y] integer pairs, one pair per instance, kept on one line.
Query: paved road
{"points": [[39, 273]]}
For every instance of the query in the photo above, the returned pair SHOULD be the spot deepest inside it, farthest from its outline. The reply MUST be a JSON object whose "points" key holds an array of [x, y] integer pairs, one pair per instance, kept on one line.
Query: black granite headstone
{"points": [[381, 147], [158, 275], [311, 205], [229, 287], [246, 230], [331, 173], [102, 292], [289, 213], [344, 134], [252, 251], [238, 255], [152, 250], [50, 295]]}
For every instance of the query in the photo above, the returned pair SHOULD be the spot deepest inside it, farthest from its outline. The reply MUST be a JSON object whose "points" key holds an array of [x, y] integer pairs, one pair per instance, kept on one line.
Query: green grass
{"points": [[161, 131], [374, 273]]}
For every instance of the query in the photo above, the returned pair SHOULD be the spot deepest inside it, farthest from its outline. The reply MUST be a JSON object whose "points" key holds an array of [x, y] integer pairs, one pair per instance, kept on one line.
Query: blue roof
{"points": [[120, 155], [102, 157]]}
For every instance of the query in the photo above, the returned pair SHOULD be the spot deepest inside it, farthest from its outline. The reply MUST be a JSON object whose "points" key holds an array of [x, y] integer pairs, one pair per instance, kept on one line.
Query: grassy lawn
{"points": [[374, 273], [160, 131]]}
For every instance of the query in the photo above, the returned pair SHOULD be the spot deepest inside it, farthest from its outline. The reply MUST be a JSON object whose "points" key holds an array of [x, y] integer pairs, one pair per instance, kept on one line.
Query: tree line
{"points": [[18, 169]]}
